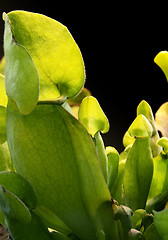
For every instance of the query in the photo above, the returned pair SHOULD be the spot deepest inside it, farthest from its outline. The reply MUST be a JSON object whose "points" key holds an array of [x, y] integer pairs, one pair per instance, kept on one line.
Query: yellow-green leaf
{"points": [[3, 96], [51, 142], [161, 60], [138, 173], [92, 116], [56, 55], [140, 127], [21, 77]]}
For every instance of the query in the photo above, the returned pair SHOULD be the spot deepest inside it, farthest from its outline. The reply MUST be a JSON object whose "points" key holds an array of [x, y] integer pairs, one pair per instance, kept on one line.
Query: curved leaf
{"points": [[117, 191], [127, 139], [163, 142], [5, 159], [101, 152], [138, 174], [145, 109], [160, 164], [157, 202], [35, 229], [92, 116], [161, 60], [151, 233], [124, 214], [53, 50], [140, 127], [139, 214], [19, 186], [21, 77], [12, 207], [51, 142], [113, 164]]}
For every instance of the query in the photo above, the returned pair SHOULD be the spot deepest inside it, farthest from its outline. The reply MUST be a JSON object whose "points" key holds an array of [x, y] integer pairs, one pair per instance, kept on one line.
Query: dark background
{"points": [[118, 43]]}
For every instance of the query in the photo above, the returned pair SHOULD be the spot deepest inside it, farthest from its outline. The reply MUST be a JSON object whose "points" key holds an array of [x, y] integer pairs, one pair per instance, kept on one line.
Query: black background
{"points": [[118, 43]]}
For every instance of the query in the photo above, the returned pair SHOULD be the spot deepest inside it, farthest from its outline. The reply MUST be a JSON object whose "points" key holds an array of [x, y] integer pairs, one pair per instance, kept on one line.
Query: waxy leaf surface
{"points": [[140, 127], [113, 164], [160, 165], [5, 159], [145, 109], [12, 207], [35, 229], [21, 77], [53, 50], [19, 186], [138, 174], [161, 60], [92, 116], [51, 142]]}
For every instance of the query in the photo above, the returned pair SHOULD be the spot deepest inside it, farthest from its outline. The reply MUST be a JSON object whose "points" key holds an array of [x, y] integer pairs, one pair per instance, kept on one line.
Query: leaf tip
{"points": [[140, 127]]}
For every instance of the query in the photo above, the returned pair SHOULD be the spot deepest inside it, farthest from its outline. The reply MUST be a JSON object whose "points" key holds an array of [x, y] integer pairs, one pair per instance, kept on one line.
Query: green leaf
{"points": [[53, 50], [161, 60], [158, 202], [76, 101], [161, 119], [160, 222], [101, 152], [3, 96], [138, 174], [117, 191], [92, 116], [163, 142], [51, 220], [140, 127], [35, 229], [51, 142], [12, 207], [113, 164], [5, 159], [2, 124], [145, 109], [124, 214], [128, 140], [151, 233], [21, 77], [139, 214], [160, 164], [19, 186]]}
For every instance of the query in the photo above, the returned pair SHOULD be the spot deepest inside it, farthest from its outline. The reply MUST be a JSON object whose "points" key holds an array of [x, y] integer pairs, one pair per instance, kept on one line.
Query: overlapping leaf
{"points": [[51, 142], [56, 55], [139, 165], [21, 76]]}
